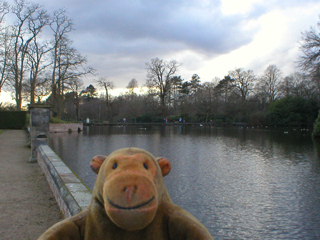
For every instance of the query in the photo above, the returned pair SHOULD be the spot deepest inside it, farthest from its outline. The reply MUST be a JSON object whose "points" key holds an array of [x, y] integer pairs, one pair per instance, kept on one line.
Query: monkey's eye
{"points": [[146, 166], [115, 165]]}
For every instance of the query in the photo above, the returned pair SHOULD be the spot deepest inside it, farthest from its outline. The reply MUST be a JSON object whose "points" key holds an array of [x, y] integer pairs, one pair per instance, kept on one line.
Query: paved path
{"points": [[27, 205]]}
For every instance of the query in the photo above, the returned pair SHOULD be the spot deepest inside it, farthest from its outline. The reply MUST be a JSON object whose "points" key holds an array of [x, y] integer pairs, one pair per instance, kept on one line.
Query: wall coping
{"points": [[65, 127], [71, 194]]}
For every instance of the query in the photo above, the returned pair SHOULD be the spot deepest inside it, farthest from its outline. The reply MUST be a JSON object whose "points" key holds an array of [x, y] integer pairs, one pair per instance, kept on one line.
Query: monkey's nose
{"points": [[126, 188], [130, 192]]}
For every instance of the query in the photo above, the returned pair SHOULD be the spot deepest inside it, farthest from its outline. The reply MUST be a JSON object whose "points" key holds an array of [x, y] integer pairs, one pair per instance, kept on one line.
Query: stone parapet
{"points": [[71, 194], [65, 127], [39, 125]]}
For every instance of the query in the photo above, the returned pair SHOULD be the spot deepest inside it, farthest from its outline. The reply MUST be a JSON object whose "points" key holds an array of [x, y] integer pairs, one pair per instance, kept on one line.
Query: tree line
{"points": [[39, 63], [240, 97]]}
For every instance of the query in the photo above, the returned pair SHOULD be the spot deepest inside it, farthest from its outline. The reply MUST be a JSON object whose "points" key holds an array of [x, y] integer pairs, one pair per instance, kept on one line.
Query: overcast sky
{"points": [[209, 37]]}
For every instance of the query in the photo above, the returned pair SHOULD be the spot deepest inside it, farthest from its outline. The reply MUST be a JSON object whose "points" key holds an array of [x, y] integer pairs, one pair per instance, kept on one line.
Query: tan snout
{"points": [[131, 199]]}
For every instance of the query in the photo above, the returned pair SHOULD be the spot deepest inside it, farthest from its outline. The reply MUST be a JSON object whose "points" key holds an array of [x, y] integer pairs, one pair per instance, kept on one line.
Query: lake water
{"points": [[240, 183]]}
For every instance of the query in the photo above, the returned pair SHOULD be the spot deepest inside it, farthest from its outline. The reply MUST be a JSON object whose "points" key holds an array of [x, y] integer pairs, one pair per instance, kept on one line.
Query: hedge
{"points": [[12, 119], [316, 127], [292, 112]]}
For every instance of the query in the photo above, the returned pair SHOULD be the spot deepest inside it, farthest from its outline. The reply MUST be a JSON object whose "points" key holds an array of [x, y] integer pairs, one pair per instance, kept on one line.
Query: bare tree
{"points": [[270, 82], [299, 85], [38, 63], [4, 10], [70, 64], [43, 88], [5, 56], [5, 43], [31, 18], [75, 94], [206, 99], [243, 81], [60, 25], [107, 85], [310, 47], [160, 73]]}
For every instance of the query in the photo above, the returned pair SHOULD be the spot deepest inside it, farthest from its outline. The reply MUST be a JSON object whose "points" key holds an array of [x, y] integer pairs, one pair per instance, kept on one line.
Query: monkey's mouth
{"points": [[130, 208]]}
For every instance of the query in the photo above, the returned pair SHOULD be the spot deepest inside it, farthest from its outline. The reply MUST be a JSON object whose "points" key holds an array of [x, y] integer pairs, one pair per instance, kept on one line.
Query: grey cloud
{"points": [[190, 24], [119, 36]]}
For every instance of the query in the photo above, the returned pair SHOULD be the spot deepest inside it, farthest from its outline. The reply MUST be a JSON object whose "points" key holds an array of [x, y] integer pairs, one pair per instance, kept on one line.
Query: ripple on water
{"points": [[240, 184]]}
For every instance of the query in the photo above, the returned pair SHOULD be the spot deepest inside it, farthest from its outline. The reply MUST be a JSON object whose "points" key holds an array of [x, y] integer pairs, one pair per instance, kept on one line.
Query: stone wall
{"points": [[71, 194], [65, 127]]}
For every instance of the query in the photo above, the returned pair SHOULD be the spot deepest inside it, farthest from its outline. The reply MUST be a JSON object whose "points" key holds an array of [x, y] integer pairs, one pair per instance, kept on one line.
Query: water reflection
{"points": [[241, 183]]}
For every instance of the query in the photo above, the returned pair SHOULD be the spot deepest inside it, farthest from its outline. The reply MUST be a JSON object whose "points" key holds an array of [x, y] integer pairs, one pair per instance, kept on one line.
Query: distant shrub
{"points": [[229, 121], [12, 119], [56, 120], [144, 118], [258, 118], [157, 120], [316, 127], [292, 112], [28, 119], [173, 118], [218, 121]]}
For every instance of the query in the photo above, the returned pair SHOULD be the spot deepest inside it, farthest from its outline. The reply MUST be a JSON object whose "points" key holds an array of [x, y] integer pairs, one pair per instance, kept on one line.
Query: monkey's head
{"points": [[130, 186]]}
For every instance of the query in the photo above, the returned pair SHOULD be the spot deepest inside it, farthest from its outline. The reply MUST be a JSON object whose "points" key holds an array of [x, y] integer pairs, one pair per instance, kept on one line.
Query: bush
{"points": [[173, 118], [292, 112], [157, 119], [258, 118], [229, 121], [56, 120], [218, 121], [27, 119], [12, 119], [144, 118], [316, 127]]}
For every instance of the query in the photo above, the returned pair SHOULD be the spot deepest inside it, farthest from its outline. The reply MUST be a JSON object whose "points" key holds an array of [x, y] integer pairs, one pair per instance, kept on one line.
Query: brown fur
{"points": [[129, 201]]}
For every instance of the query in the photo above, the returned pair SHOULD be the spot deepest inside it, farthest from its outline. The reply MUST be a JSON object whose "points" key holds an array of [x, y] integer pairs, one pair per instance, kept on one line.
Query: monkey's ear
{"points": [[96, 163], [165, 165]]}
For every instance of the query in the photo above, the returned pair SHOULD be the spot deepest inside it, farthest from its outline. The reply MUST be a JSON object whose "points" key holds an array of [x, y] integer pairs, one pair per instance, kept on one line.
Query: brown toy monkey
{"points": [[129, 201]]}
